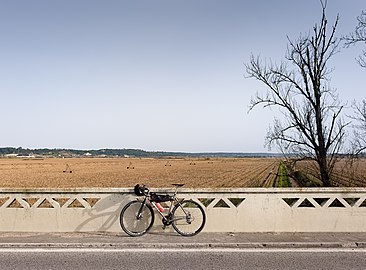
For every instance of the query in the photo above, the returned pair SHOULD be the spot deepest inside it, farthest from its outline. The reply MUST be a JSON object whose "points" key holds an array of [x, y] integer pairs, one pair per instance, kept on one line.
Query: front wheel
{"points": [[189, 218], [136, 218]]}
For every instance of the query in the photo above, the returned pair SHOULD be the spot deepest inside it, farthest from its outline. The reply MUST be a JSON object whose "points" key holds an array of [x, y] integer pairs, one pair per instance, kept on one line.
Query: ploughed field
{"points": [[346, 173], [126, 172]]}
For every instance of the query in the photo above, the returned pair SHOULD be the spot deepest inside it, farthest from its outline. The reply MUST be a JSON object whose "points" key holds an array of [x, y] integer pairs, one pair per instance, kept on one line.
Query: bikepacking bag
{"points": [[160, 197]]}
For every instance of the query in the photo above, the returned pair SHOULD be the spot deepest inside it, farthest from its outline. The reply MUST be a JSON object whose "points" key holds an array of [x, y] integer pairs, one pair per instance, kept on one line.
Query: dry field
{"points": [[114, 172], [346, 174]]}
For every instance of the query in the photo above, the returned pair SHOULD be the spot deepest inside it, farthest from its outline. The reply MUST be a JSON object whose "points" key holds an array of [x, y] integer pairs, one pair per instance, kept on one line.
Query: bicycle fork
{"points": [[139, 213]]}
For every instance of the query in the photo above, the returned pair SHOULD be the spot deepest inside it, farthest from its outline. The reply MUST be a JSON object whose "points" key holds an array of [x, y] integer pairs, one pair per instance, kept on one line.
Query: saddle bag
{"points": [[160, 197]]}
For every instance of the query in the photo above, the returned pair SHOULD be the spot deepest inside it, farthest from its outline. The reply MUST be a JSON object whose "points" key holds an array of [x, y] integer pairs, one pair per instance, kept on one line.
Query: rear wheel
{"points": [[189, 218], [136, 218]]}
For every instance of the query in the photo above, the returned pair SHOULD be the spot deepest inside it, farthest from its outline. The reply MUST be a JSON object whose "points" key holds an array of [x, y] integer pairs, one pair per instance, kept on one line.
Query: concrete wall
{"points": [[228, 210]]}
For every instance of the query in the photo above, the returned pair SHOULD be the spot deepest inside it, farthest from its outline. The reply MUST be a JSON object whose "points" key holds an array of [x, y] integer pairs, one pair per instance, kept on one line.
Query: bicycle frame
{"points": [[166, 219]]}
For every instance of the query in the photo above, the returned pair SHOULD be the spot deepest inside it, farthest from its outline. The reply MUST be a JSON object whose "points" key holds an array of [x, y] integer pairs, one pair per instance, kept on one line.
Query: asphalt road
{"points": [[43, 258]]}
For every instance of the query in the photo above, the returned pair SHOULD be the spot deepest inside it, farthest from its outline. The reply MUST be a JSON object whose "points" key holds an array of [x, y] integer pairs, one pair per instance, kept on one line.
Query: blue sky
{"points": [[154, 75]]}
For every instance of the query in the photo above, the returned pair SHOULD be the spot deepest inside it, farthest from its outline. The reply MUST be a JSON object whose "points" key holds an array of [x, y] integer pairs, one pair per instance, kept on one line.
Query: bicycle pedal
{"points": [[164, 227]]}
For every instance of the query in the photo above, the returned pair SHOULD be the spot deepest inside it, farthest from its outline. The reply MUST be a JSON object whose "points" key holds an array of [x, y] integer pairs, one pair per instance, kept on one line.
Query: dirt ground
{"points": [[126, 172]]}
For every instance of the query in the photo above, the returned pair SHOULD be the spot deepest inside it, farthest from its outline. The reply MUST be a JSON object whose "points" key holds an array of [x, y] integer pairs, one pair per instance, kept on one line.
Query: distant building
{"points": [[29, 156], [11, 155]]}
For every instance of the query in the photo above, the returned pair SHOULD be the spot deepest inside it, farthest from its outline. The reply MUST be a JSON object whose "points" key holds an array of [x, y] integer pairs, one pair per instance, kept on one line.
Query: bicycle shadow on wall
{"points": [[105, 213]]}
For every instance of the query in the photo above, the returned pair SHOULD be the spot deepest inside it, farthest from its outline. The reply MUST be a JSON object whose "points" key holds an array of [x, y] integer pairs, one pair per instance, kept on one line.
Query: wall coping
{"points": [[188, 190]]}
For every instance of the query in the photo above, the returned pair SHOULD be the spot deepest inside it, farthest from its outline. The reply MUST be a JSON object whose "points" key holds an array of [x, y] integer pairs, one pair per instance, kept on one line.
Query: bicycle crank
{"points": [[167, 220]]}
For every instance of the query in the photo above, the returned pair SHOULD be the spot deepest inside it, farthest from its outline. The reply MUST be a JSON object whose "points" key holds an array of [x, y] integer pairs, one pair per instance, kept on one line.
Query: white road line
{"points": [[151, 250]]}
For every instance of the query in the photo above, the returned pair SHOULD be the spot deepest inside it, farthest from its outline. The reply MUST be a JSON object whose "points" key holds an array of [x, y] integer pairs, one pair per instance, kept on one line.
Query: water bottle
{"points": [[160, 207]]}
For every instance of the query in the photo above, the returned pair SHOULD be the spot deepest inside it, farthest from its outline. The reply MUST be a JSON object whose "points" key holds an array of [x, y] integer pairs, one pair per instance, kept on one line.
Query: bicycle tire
{"points": [[189, 218], [131, 224]]}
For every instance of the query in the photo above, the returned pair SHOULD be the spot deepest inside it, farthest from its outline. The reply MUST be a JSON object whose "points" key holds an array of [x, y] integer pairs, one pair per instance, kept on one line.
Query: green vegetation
{"points": [[283, 180]]}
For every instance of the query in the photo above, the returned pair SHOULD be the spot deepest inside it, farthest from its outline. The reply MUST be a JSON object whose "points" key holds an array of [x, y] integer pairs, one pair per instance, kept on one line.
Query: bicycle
{"points": [[186, 216]]}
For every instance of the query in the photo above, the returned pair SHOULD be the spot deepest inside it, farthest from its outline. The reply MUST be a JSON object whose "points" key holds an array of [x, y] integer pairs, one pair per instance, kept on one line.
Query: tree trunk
{"points": [[324, 172]]}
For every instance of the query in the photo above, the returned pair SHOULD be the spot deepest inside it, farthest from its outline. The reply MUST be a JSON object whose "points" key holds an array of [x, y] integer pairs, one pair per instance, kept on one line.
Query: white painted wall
{"points": [[262, 210]]}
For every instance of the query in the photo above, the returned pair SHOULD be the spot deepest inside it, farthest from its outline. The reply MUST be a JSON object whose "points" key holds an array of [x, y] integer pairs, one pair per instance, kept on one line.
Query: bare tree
{"points": [[359, 142], [312, 125], [358, 36]]}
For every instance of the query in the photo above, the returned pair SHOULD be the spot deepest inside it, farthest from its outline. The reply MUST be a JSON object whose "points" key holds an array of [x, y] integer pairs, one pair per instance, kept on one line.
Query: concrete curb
{"points": [[272, 245]]}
